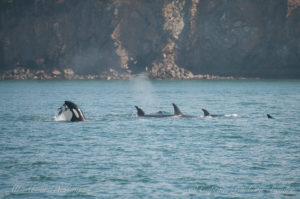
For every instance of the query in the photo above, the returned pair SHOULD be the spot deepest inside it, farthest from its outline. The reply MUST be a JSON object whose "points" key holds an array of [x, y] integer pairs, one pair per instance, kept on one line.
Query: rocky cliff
{"points": [[173, 39]]}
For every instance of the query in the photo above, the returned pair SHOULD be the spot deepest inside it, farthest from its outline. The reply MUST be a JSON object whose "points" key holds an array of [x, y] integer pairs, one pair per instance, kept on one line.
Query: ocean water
{"points": [[119, 155]]}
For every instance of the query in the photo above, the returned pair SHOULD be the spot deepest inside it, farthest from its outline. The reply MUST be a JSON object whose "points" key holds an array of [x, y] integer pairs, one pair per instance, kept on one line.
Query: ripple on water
{"points": [[118, 155]]}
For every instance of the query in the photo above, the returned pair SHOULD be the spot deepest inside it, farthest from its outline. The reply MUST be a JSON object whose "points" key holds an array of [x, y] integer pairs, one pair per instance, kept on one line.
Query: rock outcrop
{"points": [[66, 74], [170, 39]]}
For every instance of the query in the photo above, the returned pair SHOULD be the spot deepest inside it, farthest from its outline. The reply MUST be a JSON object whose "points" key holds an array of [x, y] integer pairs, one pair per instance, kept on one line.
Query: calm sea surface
{"points": [[118, 155]]}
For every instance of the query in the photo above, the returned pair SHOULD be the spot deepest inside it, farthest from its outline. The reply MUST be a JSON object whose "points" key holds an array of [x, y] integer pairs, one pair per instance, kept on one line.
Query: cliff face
{"points": [[167, 38], [58, 34]]}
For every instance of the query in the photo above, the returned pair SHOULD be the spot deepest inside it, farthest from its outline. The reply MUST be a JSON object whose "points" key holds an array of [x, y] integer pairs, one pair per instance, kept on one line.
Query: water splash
{"points": [[59, 118], [232, 115], [65, 116]]}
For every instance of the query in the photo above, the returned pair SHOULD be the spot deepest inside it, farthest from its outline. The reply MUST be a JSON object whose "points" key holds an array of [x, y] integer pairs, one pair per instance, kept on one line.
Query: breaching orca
{"points": [[207, 114], [177, 113], [269, 116], [70, 112]]}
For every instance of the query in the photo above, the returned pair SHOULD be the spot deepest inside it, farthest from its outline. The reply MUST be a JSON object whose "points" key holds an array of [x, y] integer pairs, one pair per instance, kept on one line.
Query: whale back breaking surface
{"points": [[206, 113], [140, 112], [176, 110]]}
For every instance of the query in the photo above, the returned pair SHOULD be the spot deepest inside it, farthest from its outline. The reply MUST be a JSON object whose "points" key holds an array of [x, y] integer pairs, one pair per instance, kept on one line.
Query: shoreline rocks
{"points": [[156, 73]]}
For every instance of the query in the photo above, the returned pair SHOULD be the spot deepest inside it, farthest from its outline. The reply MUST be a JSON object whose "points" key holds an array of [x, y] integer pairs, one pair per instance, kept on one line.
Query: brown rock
{"points": [[56, 72], [69, 71]]}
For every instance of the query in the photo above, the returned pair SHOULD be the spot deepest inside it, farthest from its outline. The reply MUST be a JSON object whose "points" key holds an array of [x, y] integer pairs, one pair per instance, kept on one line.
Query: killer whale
{"points": [[207, 114], [270, 117], [69, 111], [141, 113], [177, 113]]}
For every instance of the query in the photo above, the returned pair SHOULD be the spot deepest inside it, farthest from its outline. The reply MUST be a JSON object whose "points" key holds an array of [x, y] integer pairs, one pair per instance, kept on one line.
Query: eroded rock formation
{"points": [[170, 39]]}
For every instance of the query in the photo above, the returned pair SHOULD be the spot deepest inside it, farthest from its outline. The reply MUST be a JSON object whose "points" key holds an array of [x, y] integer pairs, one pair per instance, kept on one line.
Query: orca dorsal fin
{"points": [[269, 116], [140, 112], [176, 110], [206, 113]]}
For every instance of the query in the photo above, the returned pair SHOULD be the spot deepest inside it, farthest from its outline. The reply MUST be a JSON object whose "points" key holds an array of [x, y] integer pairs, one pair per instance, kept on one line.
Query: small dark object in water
{"points": [[270, 117], [207, 114]]}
